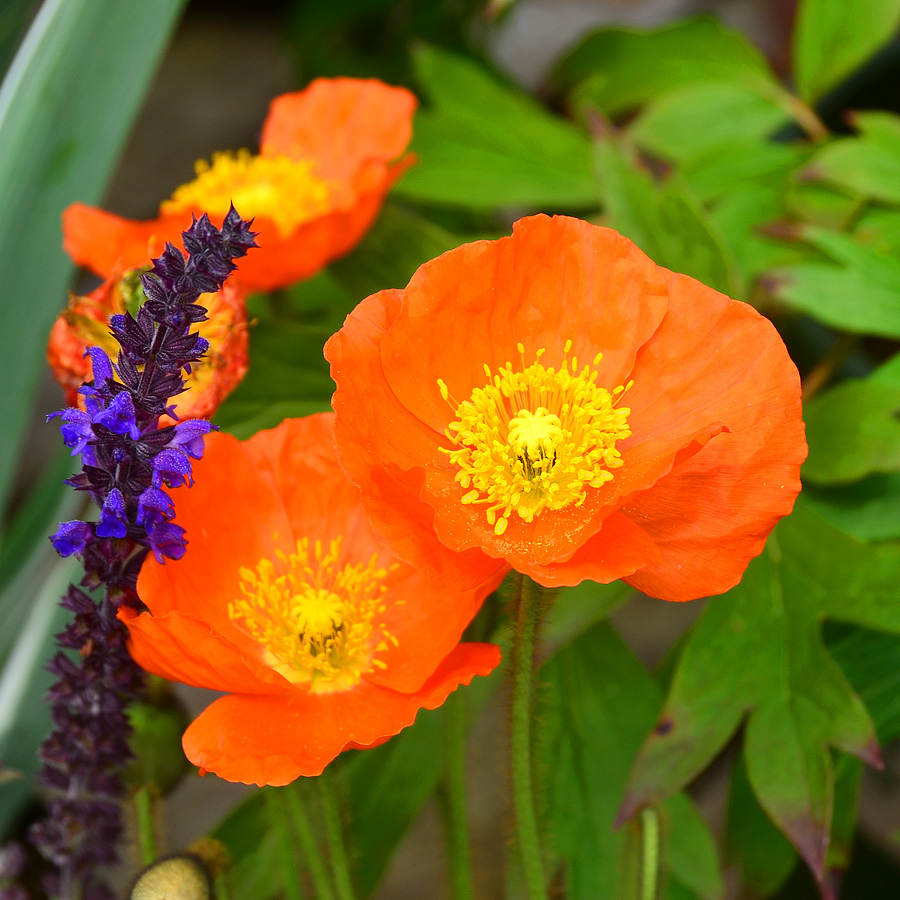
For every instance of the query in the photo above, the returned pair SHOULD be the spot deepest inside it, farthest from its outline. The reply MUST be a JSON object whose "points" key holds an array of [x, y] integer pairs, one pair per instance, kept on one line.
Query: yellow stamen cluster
{"points": [[535, 439], [280, 189], [317, 620]]}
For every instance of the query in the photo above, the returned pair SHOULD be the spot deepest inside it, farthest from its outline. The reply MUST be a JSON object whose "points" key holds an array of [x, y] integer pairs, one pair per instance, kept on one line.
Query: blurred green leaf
{"points": [[860, 166], [859, 293], [60, 142], [764, 855], [868, 509], [663, 219], [832, 38], [694, 119], [881, 128], [576, 609], [482, 144], [758, 652], [852, 430], [620, 69], [24, 681], [598, 702]]}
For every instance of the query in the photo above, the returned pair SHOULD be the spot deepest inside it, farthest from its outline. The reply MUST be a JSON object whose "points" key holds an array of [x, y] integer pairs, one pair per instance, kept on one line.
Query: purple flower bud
{"points": [[153, 505], [167, 539], [189, 436], [118, 417], [71, 537], [112, 517], [100, 364], [172, 467], [12, 860]]}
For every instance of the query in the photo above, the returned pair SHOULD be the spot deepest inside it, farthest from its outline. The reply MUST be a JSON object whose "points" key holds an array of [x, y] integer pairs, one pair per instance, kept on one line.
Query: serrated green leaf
{"points": [[598, 702], [758, 652], [65, 111], [694, 119], [853, 431], [860, 293], [860, 166], [832, 38], [620, 69], [664, 220], [483, 144]]}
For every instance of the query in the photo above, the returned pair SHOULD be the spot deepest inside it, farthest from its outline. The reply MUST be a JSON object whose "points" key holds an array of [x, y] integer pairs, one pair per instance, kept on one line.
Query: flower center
{"points": [[535, 439], [317, 620], [277, 188]]}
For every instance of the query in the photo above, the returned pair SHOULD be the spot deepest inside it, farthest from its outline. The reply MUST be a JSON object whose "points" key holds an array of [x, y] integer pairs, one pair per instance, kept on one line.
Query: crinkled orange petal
{"points": [[103, 242], [714, 511], [275, 739], [233, 518], [181, 648], [341, 124]]}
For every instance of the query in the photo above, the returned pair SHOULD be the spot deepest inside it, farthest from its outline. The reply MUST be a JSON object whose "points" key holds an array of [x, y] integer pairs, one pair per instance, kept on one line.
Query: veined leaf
{"points": [[832, 38], [757, 653], [483, 144], [620, 69]]}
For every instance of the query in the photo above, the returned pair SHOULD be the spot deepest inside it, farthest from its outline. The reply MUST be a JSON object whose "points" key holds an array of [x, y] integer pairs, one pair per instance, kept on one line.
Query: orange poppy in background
{"points": [[85, 322], [329, 154], [557, 402], [287, 601]]}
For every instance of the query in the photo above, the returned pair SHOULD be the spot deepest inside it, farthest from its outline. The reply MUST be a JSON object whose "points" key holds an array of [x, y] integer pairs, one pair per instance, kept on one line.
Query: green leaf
{"points": [[599, 701], [621, 69], [764, 855], [881, 128], [664, 220], [852, 430], [576, 609], [832, 38], [868, 509], [757, 652], [65, 112], [860, 166], [483, 144], [695, 119], [860, 293]]}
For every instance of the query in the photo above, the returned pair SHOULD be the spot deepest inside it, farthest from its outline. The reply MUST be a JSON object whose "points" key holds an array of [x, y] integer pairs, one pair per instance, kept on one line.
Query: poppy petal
{"points": [[275, 739]]}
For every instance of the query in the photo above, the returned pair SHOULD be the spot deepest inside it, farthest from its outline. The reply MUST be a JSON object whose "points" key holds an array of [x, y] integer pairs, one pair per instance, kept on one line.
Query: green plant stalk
{"points": [[649, 854], [453, 797], [290, 866], [146, 826], [317, 870], [529, 601], [340, 866]]}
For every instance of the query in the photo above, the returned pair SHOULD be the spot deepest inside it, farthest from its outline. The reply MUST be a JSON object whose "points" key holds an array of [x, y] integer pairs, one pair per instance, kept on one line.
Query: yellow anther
{"points": [[280, 189], [315, 620], [536, 439]]}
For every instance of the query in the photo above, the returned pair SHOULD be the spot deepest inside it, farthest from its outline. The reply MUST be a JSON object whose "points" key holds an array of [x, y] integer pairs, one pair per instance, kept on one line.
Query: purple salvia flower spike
{"points": [[126, 457]]}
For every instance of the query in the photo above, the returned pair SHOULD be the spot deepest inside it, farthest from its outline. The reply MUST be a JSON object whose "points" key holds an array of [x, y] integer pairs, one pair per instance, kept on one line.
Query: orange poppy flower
{"points": [[286, 600], [85, 323], [557, 402], [328, 157]]}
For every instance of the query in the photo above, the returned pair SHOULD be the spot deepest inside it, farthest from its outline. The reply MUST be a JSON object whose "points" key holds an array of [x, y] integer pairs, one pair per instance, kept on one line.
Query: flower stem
{"points": [[290, 866], [649, 854], [146, 827], [522, 707], [340, 867], [310, 846], [453, 798]]}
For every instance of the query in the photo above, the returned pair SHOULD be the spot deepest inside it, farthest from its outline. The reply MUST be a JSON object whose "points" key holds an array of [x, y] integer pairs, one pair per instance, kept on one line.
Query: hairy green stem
{"points": [[453, 797], [340, 866], [318, 871], [649, 854], [290, 865], [529, 600], [146, 825]]}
